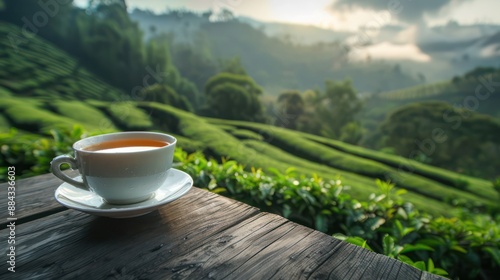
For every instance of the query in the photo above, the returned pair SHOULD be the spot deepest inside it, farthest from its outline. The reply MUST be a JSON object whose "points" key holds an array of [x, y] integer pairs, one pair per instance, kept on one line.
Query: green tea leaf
{"points": [[459, 249], [430, 265], [494, 253], [417, 247], [405, 259], [388, 245], [439, 271], [420, 265]]}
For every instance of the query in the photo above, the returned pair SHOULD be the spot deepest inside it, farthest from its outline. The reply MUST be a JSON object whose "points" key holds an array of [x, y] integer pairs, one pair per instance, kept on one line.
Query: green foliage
{"points": [[384, 223], [79, 110], [455, 139], [104, 39], [111, 44], [31, 154], [160, 69], [477, 186], [326, 157], [246, 134], [339, 105], [4, 124], [330, 113], [39, 69], [419, 91], [196, 64], [351, 133], [348, 163], [32, 118], [128, 117], [232, 96], [496, 185], [480, 71], [233, 66], [166, 95], [290, 106], [187, 144], [242, 80]]}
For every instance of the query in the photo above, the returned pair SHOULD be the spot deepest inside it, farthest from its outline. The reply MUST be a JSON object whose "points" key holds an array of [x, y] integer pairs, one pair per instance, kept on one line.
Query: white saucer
{"points": [[178, 183]]}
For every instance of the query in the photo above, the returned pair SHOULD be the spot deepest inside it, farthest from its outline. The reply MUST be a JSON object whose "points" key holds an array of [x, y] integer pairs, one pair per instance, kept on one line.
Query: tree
{"points": [[234, 66], [290, 108], [164, 94], [196, 64], [158, 60], [231, 96], [338, 107], [441, 135], [480, 71]]}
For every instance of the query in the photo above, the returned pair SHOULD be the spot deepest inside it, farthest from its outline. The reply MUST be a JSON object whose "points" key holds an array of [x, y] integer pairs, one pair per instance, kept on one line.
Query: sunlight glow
{"points": [[390, 51], [305, 12]]}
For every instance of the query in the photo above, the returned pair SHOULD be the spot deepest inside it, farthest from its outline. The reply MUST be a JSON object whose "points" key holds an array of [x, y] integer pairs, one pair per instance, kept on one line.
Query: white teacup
{"points": [[123, 167]]}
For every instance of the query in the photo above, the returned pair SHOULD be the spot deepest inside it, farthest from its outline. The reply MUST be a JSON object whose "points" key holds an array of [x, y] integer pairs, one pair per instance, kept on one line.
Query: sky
{"points": [[341, 14], [413, 17]]}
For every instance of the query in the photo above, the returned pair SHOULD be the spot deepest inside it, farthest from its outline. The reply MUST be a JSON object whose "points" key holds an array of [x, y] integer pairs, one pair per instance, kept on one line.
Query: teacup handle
{"points": [[55, 166]]}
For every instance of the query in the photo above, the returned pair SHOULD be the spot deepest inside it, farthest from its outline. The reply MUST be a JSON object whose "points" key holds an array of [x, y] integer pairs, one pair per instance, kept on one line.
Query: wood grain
{"points": [[34, 198], [73, 245]]}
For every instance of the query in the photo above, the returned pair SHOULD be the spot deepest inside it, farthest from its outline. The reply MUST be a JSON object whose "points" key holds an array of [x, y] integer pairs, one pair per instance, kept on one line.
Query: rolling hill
{"points": [[46, 92], [275, 63], [461, 92]]}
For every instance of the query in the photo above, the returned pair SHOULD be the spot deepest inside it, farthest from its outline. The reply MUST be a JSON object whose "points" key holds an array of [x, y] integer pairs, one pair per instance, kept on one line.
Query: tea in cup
{"points": [[122, 167]]}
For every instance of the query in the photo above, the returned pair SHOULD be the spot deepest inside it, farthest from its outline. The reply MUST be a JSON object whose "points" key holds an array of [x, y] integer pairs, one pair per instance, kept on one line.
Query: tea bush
{"points": [[429, 194], [41, 65], [437, 174], [246, 134], [80, 110], [128, 117], [361, 164], [465, 247], [32, 154]]}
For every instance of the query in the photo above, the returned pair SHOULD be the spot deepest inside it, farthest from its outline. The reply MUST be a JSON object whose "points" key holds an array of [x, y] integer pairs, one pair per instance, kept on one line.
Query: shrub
{"points": [[246, 134], [78, 110], [463, 247], [128, 117], [31, 153]]}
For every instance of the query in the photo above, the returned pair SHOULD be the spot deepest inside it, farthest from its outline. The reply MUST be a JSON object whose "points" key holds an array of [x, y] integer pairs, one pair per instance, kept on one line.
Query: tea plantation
{"points": [[50, 102], [461, 92], [63, 94]]}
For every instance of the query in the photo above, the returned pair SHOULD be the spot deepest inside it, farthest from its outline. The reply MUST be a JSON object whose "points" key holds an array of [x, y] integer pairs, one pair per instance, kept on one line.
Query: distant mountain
{"points": [[297, 33], [282, 56], [183, 24], [275, 62], [493, 40], [458, 39]]}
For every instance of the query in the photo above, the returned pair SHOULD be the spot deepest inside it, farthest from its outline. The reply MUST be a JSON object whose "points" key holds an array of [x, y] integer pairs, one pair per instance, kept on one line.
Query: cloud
{"points": [[405, 10], [390, 51]]}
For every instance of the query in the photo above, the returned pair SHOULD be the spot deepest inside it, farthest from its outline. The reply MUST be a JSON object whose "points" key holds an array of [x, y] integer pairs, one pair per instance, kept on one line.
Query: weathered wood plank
{"points": [[73, 245], [220, 253], [429, 276], [351, 262], [34, 198]]}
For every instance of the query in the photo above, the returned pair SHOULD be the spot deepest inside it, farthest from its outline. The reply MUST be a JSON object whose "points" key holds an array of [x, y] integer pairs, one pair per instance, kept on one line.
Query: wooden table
{"points": [[199, 236]]}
